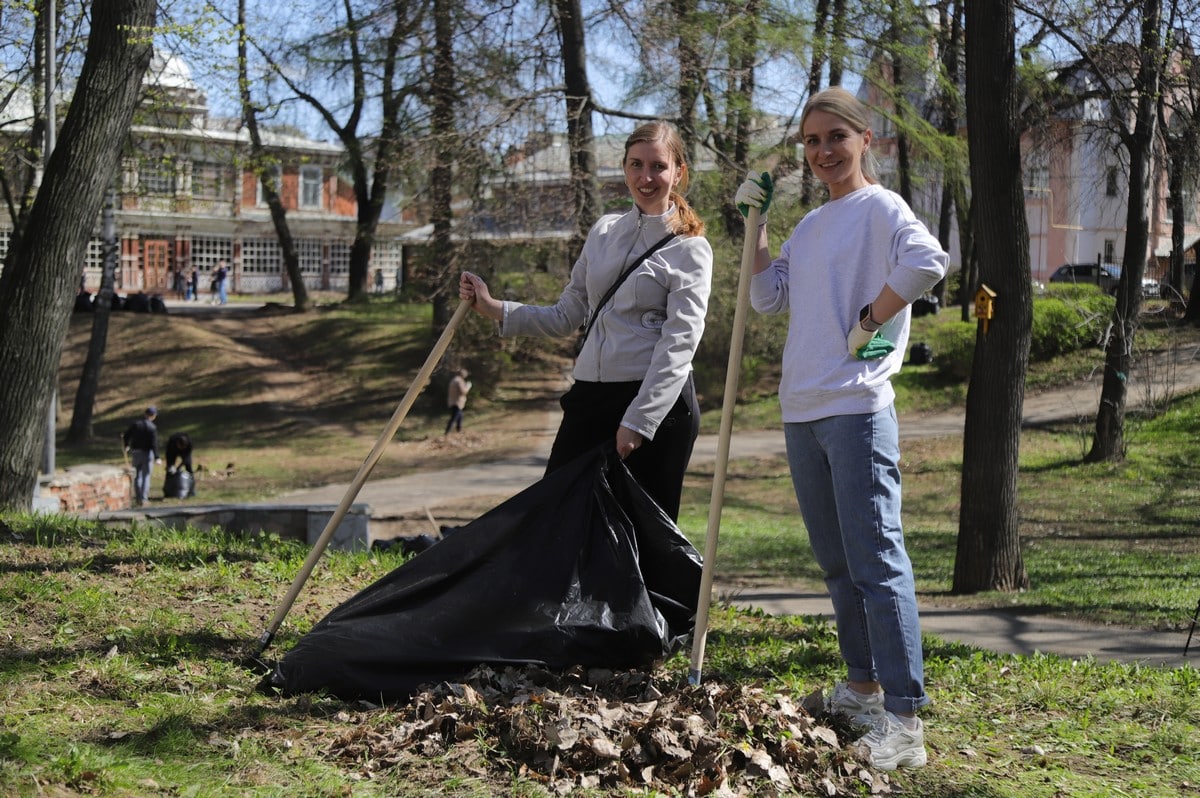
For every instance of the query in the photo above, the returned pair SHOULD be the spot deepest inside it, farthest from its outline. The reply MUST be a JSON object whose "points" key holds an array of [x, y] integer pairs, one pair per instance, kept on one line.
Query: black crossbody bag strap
{"points": [[612, 289]]}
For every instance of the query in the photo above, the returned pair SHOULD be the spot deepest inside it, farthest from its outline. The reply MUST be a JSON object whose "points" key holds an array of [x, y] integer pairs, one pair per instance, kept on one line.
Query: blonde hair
{"points": [[844, 105], [686, 221]]}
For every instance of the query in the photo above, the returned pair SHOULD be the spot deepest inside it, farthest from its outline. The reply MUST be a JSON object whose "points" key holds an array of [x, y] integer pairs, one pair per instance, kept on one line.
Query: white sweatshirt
{"points": [[651, 327], [836, 261]]}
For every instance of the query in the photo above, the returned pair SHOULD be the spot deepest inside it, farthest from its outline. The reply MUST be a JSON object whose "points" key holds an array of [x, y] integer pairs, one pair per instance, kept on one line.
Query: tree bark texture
{"points": [[989, 551], [37, 288], [441, 176], [580, 134], [85, 394], [1108, 443], [691, 73]]}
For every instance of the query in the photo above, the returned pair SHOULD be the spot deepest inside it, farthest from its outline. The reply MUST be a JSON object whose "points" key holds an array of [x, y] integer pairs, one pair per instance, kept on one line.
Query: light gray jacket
{"points": [[651, 327]]}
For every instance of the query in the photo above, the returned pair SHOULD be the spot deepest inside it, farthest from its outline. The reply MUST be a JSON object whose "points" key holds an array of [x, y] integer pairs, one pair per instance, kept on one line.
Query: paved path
{"points": [[996, 631]]}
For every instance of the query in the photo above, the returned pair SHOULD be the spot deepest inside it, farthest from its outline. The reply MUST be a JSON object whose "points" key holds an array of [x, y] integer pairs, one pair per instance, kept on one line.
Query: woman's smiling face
{"points": [[650, 174], [834, 151]]}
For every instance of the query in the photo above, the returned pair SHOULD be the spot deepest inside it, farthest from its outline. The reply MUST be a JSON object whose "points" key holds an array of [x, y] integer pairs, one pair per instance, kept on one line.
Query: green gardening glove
{"points": [[755, 191], [876, 348]]}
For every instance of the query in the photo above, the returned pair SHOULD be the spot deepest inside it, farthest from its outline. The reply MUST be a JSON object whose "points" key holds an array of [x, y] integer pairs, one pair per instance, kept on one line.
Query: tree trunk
{"points": [[37, 287], [1180, 158], [441, 176], [988, 556], [569, 17], [739, 102], [1108, 444], [820, 54], [85, 395], [952, 178], [1192, 314], [291, 260], [690, 73], [837, 43]]}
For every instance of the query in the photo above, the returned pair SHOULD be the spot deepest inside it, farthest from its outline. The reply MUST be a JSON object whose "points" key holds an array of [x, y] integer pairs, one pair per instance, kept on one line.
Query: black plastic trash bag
{"points": [[179, 484], [581, 568]]}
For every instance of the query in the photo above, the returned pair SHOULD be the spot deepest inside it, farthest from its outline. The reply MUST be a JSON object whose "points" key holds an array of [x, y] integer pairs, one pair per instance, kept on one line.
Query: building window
{"points": [[310, 187], [308, 251], [261, 256], [208, 251], [339, 257], [277, 177], [209, 181], [387, 255], [93, 257], [156, 175], [1110, 248], [1112, 183]]}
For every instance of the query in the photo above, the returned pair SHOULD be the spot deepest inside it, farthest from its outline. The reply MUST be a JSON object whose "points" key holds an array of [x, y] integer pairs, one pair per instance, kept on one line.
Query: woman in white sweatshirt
{"points": [[847, 275], [633, 377]]}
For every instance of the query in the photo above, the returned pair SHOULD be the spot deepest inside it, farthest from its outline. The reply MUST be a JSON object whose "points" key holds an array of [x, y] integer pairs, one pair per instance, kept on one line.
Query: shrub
{"points": [[953, 344], [1068, 318]]}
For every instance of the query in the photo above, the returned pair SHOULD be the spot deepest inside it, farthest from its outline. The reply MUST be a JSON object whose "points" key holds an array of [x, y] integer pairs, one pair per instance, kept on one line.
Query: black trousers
{"points": [[593, 410]]}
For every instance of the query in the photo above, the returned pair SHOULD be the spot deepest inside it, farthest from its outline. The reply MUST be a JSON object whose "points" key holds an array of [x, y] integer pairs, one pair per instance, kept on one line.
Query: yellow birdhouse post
{"points": [[985, 305]]}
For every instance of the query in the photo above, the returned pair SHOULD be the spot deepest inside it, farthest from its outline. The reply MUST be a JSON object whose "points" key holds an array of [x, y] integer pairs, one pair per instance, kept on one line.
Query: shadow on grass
{"points": [[151, 647], [103, 564]]}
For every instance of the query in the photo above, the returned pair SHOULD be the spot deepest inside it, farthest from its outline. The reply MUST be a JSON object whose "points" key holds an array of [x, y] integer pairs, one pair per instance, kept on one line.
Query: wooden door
{"points": [[156, 256]]}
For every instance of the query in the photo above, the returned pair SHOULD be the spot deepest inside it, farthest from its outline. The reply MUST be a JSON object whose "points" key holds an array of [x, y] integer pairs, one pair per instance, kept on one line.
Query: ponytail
{"points": [[685, 222]]}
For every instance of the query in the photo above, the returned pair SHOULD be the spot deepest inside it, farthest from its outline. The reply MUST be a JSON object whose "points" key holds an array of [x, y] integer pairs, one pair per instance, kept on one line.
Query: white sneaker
{"points": [[860, 708], [890, 744]]}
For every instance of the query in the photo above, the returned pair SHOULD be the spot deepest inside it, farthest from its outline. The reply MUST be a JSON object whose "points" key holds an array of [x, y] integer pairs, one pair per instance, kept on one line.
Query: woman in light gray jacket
{"points": [[633, 376]]}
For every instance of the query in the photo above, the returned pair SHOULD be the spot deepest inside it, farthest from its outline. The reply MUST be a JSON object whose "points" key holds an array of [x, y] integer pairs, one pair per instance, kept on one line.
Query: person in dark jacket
{"points": [[179, 447], [141, 443], [179, 484]]}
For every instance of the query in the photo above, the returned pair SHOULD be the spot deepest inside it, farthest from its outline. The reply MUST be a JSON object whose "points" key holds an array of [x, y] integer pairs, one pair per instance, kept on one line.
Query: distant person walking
{"points": [[141, 443], [220, 278], [456, 399]]}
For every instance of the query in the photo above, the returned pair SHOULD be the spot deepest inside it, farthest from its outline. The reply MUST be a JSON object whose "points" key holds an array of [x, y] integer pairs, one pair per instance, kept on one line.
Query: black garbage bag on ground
{"points": [[581, 568], [179, 484]]}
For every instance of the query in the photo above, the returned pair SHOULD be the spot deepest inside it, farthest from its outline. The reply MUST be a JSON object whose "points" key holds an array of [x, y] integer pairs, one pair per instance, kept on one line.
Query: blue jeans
{"points": [[456, 418], [846, 473], [222, 295], [143, 463]]}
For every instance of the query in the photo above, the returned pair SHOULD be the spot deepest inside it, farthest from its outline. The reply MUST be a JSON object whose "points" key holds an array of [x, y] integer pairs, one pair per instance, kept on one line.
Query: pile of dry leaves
{"points": [[601, 729]]}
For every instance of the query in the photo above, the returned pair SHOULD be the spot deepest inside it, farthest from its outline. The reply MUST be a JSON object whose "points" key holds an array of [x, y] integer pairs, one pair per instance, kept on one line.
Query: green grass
{"points": [[121, 647], [121, 675], [1108, 543]]}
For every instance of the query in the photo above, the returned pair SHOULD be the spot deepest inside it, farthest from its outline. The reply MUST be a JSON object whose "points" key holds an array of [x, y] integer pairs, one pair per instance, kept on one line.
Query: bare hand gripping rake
{"points": [[360, 478]]}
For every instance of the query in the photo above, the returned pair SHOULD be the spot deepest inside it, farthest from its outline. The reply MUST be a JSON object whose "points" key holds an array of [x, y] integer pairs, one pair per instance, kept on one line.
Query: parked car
{"points": [[1110, 277]]}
